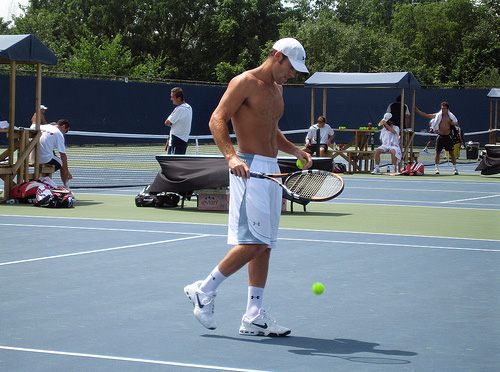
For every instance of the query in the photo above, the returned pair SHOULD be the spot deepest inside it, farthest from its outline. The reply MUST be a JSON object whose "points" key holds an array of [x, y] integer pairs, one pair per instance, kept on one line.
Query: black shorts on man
{"points": [[444, 142]]}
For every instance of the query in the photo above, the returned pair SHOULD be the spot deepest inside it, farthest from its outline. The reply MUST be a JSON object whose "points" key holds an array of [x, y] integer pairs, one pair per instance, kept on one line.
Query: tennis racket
{"points": [[307, 185]]}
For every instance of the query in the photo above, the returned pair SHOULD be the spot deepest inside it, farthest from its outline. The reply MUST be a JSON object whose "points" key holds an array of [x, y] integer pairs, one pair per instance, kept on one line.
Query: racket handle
{"points": [[257, 175]]}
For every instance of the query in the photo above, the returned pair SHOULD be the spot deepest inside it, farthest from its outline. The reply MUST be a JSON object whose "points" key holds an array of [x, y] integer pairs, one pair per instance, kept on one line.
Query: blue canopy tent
{"points": [[14, 50], [494, 95], [375, 80]]}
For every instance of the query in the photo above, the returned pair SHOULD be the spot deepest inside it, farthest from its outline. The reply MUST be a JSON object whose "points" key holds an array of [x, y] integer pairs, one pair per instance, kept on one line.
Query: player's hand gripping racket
{"points": [[307, 185]]}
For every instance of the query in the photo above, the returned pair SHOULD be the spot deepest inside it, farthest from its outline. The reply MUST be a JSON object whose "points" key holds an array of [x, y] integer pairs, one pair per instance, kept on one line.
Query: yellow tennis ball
{"points": [[318, 288], [299, 164]]}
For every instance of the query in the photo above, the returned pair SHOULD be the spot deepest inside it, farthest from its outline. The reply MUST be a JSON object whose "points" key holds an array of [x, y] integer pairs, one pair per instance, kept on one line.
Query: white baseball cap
{"points": [[42, 107], [294, 51]]}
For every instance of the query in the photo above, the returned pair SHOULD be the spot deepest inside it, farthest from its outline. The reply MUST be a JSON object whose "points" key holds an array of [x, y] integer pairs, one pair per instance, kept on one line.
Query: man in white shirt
{"points": [[52, 138], [389, 136], [180, 123], [326, 134]]}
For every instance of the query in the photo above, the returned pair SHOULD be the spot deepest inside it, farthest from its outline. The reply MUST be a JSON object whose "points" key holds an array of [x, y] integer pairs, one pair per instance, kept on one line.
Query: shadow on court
{"points": [[87, 203], [300, 214], [330, 348]]}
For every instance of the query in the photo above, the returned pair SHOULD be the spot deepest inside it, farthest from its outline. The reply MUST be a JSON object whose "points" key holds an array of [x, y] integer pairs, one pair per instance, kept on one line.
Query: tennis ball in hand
{"points": [[318, 288], [300, 164]]}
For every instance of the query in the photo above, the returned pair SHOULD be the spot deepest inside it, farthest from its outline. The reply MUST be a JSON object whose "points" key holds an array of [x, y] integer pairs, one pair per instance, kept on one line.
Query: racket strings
{"points": [[314, 185]]}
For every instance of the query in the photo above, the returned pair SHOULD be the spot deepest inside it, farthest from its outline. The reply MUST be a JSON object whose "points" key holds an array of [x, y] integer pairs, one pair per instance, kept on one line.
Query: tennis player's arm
{"points": [[64, 167], [229, 104], [288, 147], [424, 114]]}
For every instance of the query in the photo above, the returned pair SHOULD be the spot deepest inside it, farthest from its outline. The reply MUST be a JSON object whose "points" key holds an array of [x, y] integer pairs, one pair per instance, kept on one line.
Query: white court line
{"points": [[221, 225], [126, 359], [285, 239], [414, 203], [393, 245], [95, 228], [447, 191], [479, 197], [100, 250]]}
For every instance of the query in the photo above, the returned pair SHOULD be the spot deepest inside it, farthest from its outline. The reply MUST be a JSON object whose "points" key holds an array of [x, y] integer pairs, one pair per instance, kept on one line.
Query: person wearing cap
{"points": [[389, 136], [42, 115], [179, 122], [52, 139], [253, 102]]}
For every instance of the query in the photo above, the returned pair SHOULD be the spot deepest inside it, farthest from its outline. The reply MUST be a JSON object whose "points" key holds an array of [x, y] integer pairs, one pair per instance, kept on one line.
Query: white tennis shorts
{"points": [[254, 204], [386, 149]]}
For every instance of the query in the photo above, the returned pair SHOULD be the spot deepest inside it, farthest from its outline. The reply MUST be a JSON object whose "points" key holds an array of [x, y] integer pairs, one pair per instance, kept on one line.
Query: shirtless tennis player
{"points": [[254, 103], [442, 123]]}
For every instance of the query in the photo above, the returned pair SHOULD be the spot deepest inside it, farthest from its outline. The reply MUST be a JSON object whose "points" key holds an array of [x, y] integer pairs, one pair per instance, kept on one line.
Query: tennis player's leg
{"points": [[378, 151], [246, 245], [439, 148], [264, 206]]}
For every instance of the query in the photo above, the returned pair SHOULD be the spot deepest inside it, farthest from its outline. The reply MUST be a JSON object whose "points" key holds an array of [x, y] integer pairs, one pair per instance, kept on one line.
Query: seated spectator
{"points": [[389, 136], [326, 134], [52, 139], [42, 115]]}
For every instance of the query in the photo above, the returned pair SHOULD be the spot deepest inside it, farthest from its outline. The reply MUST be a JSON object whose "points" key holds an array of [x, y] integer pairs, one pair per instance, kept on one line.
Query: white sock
{"points": [[212, 281], [255, 299]]}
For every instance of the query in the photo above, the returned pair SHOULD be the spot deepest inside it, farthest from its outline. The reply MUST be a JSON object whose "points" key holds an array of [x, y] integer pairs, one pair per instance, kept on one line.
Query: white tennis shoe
{"points": [[262, 325], [204, 306], [376, 171]]}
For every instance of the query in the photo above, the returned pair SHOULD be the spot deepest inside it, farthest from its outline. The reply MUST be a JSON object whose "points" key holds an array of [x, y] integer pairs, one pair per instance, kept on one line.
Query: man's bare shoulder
{"points": [[245, 78]]}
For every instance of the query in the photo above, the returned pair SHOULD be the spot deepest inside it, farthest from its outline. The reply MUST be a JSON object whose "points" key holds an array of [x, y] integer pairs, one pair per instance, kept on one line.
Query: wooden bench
{"points": [[44, 170], [360, 160]]}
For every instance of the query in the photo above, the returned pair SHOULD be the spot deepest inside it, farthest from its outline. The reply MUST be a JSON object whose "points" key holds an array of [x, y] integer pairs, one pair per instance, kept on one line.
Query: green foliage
{"points": [[445, 43], [100, 56], [4, 27]]}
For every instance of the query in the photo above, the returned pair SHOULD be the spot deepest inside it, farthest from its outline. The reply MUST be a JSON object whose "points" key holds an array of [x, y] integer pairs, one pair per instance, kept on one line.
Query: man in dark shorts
{"points": [[442, 123]]}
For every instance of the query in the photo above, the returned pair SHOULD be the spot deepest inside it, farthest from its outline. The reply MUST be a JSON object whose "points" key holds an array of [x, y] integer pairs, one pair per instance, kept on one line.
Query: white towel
{"points": [[437, 119]]}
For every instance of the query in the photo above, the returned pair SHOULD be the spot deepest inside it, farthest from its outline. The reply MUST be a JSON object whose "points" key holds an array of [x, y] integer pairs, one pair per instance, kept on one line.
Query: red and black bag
{"points": [[58, 197], [25, 192], [413, 169]]}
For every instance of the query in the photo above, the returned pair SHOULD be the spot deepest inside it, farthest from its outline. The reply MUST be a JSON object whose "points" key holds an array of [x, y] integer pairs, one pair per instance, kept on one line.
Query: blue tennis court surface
{"points": [[103, 295]]}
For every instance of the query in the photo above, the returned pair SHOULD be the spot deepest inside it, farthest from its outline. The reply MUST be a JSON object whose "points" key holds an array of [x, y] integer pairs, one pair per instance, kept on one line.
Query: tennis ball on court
{"points": [[300, 164], [318, 288]]}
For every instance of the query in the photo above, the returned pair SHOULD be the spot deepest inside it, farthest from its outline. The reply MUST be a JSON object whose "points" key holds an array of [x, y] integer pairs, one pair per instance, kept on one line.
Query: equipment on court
{"points": [[58, 197], [25, 192], [162, 199], [308, 185], [413, 169], [339, 168], [490, 161], [318, 288], [43, 192]]}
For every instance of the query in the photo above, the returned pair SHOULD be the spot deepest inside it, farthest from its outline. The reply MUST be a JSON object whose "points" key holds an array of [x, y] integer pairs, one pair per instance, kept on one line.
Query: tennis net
{"points": [[100, 160]]}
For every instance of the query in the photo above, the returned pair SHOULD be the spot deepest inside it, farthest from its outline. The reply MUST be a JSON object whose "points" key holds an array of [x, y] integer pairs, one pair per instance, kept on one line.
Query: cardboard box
{"points": [[213, 200], [218, 200]]}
